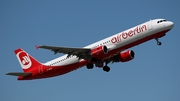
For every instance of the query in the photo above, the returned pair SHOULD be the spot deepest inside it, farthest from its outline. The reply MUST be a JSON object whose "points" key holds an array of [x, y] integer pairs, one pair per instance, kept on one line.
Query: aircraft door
{"points": [[41, 69], [150, 27]]}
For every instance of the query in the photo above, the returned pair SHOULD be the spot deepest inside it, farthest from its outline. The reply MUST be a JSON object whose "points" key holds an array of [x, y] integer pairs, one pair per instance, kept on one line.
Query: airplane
{"points": [[100, 54]]}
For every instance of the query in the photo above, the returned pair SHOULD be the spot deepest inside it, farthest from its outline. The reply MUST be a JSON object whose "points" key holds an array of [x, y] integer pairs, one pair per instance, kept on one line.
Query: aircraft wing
{"points": [[81, 53]]}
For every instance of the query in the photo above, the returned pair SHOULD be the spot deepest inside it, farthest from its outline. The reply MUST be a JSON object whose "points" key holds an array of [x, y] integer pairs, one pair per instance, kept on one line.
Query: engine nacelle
{"points": [[99, 52], [124, 56]]}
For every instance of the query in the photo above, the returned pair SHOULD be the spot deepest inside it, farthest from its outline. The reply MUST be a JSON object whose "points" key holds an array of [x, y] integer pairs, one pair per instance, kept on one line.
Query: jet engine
{"points": [[124, 56], [99, 52]]}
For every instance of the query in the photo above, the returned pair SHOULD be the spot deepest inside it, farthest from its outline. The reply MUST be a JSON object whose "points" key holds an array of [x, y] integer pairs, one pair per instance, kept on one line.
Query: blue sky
{"points": [[154, 74]]}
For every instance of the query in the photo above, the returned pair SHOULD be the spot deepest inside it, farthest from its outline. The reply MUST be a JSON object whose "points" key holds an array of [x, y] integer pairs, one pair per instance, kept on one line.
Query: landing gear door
{"points": [[150, 27]]}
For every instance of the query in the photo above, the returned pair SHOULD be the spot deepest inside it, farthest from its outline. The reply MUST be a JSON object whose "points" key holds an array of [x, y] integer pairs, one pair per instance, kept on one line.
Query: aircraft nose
{"points": [[170, 24]]}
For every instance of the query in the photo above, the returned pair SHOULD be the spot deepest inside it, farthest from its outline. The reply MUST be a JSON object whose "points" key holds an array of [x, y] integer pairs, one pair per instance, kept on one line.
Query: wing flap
{"points": [[19, 73]]}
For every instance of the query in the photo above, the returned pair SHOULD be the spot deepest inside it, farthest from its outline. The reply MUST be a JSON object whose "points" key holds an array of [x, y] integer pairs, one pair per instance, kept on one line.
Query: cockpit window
{"points": [[161, 21]]}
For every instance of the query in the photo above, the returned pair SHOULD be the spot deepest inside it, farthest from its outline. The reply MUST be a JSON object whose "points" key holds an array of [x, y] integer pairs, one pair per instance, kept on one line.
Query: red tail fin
{"points": [[26, 61]]}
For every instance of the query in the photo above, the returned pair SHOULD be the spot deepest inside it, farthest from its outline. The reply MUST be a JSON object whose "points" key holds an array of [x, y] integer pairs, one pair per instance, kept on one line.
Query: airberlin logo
{"points": [[24, 60], [128, 34]]}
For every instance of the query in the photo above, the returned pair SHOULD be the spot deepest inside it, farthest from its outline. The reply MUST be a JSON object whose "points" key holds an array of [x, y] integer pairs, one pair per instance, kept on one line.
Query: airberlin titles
{"points": [[128, 34]]}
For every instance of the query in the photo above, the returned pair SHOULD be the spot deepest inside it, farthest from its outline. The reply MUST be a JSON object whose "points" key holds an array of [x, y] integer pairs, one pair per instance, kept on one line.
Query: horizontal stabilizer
{"points": [[19, 73]]}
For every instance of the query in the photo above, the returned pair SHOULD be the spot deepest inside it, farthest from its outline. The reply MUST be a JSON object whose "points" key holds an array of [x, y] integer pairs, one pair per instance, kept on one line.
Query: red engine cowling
{"points": [[126, 56], [99, 52]]}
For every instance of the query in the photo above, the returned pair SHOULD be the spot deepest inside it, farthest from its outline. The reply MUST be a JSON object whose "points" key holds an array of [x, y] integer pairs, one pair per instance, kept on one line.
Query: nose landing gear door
{"points": [[150, 27]]}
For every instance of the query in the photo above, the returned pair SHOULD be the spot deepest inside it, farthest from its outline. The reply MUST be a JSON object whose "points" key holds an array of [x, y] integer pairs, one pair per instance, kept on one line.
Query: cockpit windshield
{"points": [[161, 21]]}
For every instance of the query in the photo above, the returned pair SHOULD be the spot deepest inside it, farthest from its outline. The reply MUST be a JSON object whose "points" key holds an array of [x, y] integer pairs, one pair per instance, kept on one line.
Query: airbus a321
{"points": [[99, 54]]}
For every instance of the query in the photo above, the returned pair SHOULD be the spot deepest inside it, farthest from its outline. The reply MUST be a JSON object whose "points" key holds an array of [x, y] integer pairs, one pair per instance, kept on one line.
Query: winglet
{"points": [[37, 47]]}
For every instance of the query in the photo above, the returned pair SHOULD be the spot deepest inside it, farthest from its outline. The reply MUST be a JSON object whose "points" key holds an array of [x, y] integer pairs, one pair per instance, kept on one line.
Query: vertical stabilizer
{"points": [[26, 61]]}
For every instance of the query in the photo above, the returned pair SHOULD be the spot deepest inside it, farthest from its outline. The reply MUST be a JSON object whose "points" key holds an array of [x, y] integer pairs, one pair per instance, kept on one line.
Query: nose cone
{"points": [[170, 24]]}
